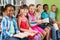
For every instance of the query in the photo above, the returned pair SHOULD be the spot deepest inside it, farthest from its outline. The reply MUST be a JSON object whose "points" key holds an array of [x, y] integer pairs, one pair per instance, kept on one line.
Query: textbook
{"points": [[46, 20], [22, 35], [55, 25], [30, 34]]}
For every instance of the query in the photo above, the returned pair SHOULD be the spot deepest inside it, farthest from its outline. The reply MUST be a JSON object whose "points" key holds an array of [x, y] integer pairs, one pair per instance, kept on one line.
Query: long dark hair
{"points": [[22, 7]]}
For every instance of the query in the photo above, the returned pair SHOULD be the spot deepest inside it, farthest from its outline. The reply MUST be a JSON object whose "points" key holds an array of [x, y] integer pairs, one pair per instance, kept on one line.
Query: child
{"points": [[54, 23], [53, 16], [23, 22], [52, 13], [9, 24], [33, 22], [45, 15], [39, 8]]}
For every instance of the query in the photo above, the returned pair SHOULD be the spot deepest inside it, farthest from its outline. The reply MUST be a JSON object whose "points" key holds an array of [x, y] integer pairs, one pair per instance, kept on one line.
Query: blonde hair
{"points": [[31, 5]]}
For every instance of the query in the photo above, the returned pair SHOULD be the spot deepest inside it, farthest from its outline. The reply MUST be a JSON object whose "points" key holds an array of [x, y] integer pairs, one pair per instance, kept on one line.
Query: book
{"points": [[55, 25], [30, 34], [20, 35], [25, 34], [46, 20]]}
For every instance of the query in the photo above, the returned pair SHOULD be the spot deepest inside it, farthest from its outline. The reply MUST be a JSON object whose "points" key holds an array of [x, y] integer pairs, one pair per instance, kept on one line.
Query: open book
{"points": [[55, 25], [46, 20], [30, 34], [22, 35]]}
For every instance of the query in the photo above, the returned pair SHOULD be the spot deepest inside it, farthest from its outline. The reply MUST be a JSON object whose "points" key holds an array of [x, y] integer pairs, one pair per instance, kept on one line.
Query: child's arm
{"points": [[30, 29], [4, 29], [18, 22]]}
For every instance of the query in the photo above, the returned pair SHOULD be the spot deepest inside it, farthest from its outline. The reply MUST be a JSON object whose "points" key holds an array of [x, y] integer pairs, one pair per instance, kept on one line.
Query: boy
{"points": [[52, 17], [52, 13], [45, 26]]}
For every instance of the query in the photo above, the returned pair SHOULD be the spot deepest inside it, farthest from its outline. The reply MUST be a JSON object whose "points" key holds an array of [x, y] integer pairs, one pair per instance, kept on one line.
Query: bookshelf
{"points": [[16, 3]]}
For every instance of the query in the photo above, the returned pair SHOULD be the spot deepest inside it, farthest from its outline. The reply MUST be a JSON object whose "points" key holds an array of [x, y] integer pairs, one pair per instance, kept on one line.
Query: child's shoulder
{"points": [[5, 17]]}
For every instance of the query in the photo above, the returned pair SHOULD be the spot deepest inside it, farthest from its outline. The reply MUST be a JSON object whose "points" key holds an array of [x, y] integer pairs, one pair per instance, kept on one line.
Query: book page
{"points": [[30, 34], [20, 35], [46, 20]]}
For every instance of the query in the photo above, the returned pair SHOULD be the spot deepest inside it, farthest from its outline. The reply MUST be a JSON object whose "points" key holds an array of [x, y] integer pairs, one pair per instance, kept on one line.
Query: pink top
{"points": [[32, 16]]}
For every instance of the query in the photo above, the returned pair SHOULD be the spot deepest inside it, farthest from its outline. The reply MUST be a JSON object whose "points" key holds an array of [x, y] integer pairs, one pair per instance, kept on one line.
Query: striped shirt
{"points": [[5, 24]]}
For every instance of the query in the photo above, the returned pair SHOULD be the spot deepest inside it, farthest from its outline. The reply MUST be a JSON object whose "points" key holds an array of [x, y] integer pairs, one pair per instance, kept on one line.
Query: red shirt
{"points": [[24, 23]]}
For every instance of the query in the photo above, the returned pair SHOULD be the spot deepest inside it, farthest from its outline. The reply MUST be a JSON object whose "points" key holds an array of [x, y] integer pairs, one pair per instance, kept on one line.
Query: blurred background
{"points": [[17, 4]]}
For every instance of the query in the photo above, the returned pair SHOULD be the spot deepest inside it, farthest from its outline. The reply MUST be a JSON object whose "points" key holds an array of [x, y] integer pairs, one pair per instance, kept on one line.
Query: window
{"points": [[19, 2], [1, 2], [8, 2], [30, 2]]}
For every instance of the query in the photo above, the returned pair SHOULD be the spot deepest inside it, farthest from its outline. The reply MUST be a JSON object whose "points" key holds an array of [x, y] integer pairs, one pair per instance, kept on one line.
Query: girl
{"points": [[39, 9], [38, 13], [33, 22], [23, 22], [9, 24]]}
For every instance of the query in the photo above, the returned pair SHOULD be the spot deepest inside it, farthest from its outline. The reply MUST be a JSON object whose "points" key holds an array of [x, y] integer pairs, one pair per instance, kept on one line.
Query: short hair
{"points": [[9, 5], [53, 5], [45, 5], [38, 5], [31, 5]]}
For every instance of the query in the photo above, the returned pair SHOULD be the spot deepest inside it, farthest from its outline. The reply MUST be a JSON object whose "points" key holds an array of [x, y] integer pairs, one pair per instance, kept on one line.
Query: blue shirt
{"points": [[52, 15], [44, 15], [6, 26]]}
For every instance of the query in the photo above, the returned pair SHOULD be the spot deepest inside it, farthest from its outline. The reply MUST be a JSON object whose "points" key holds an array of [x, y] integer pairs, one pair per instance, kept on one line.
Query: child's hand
{"points": [[30, 31], [40, 22], [34, 31]]}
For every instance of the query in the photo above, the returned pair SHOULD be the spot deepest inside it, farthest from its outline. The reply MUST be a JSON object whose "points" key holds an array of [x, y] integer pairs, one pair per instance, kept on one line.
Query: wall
{"points": [[39, 1], [50, 2]]}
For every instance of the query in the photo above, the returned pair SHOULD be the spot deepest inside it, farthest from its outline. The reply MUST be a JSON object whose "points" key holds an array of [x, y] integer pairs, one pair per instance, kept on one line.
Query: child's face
{"points": [[39, 8], [22, 11], [53, 8], [32, 9], [10, 11], [46, 8], [26, 11]]}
